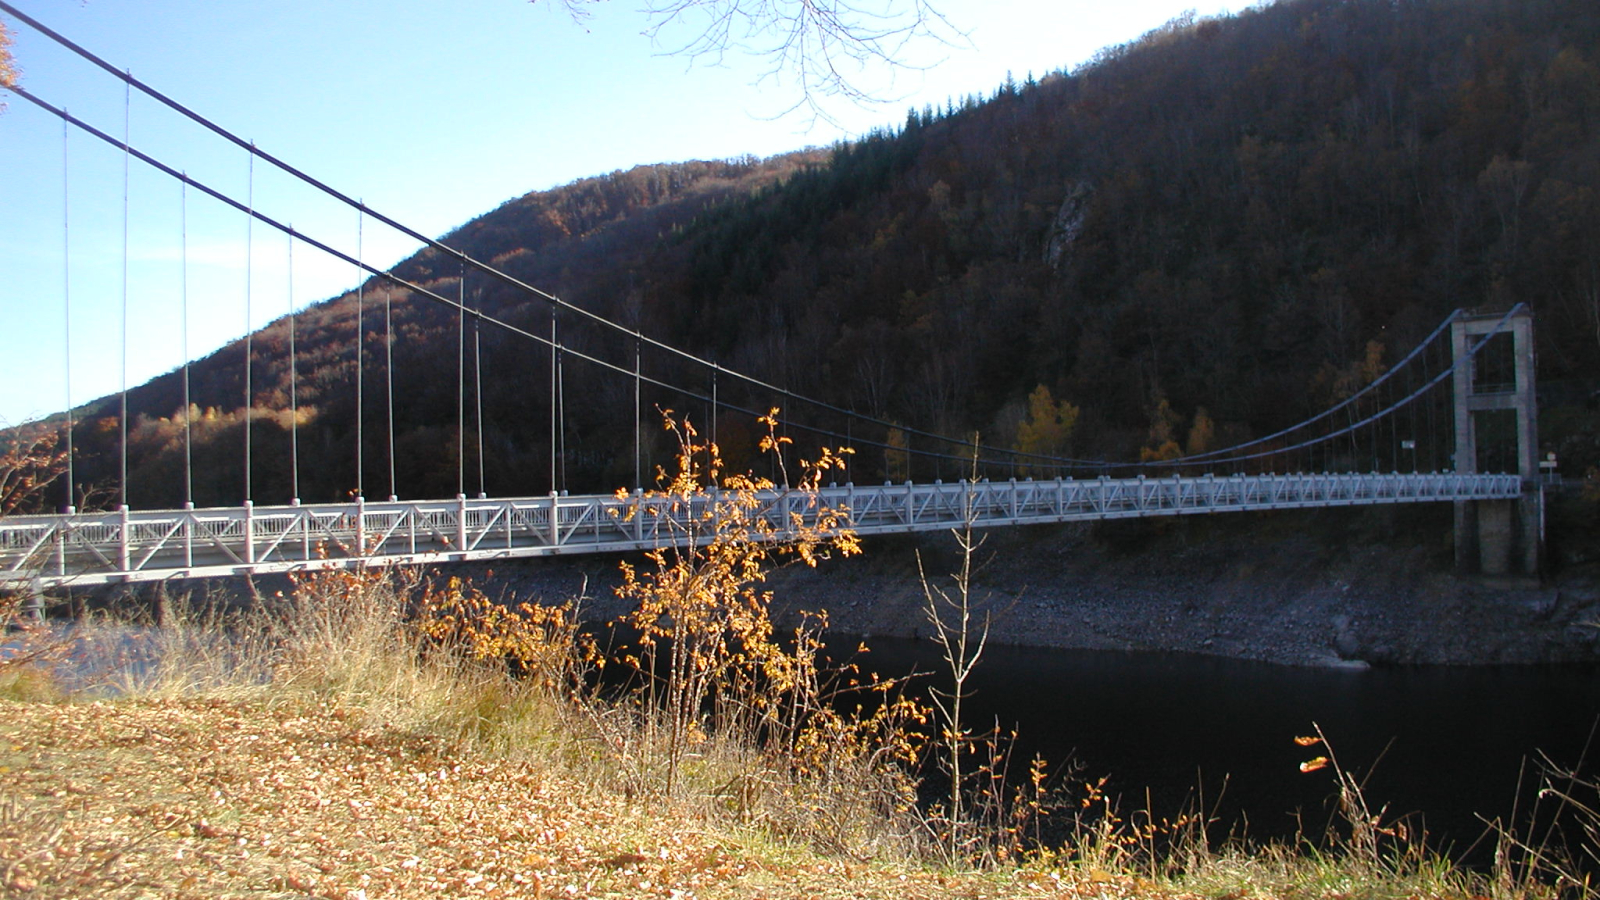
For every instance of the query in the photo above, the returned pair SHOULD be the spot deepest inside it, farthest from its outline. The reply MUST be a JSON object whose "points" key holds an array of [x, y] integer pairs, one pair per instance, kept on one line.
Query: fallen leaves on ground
{"points": [[202, 798]]}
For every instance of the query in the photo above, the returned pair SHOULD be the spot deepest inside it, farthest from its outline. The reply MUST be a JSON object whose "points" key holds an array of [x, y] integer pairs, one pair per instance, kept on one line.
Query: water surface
{"points": [[1445, 743]]}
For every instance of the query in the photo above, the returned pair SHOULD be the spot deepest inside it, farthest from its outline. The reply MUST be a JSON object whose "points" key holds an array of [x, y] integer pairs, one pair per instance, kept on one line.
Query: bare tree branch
{"points": [[824, 49]]}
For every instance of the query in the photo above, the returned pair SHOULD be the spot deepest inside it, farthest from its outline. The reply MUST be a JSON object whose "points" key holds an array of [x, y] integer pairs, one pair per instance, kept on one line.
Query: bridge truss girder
{"points": [[125, 546]]}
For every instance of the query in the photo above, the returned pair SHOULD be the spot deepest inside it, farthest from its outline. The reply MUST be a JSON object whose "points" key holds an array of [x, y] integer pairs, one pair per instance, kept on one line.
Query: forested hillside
{"points": [[1218, 217]]}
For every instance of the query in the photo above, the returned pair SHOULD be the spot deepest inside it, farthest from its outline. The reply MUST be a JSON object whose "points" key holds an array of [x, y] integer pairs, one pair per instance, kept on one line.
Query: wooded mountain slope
{"points": [[1221, 215]]}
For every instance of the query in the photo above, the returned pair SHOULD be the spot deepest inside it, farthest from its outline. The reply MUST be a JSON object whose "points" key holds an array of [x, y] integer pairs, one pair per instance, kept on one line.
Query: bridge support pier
{"points": [[1498, 537]]}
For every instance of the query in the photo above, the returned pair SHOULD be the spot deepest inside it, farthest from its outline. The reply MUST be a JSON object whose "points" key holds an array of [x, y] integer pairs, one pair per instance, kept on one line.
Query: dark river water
{"points": [[1443, 743]]}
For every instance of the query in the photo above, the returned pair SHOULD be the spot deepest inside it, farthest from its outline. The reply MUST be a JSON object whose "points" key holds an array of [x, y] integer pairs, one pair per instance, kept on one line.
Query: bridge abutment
{"points": [[1495, 398]]}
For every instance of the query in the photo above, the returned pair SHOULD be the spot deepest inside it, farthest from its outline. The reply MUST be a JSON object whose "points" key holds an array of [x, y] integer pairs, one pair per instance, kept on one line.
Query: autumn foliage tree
{"points": [[30, 462], [8, 69], [1047, 431], [706, 641], [1163, 440]]}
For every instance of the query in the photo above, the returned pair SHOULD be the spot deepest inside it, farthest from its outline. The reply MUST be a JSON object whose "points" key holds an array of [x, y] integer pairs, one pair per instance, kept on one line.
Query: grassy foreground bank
{"points": [[324, 746]]}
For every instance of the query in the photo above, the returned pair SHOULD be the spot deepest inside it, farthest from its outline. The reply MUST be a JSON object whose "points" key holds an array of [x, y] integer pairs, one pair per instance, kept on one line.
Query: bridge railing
{"points": [[93, 548], [914, 507]]}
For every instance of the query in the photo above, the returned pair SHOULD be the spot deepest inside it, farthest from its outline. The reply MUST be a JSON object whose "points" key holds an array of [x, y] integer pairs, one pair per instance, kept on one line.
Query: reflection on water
{"points": [[1446, 742]]}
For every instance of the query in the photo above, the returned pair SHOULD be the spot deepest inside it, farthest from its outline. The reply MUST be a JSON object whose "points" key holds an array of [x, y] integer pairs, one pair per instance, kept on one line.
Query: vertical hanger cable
{"points": [[183, 293], [461, 382], [249, 335], [66, 316], [554, 443], [561, 405], [388, 373], [477, 391], [294, 402], [638, 351], [361, 337], [122, 486]]}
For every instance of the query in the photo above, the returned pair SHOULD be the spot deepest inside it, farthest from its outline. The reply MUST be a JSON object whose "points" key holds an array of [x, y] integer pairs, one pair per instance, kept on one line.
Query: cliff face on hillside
{"points": [[1221, 217]]}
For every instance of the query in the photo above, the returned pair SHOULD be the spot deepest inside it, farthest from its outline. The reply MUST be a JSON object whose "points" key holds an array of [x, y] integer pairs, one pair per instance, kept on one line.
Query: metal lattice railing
{"points": [[97, 548]]}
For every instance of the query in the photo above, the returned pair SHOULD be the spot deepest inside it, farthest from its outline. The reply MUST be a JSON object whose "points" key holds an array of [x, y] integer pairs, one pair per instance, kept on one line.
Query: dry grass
{"points": [[365, 735], [218, 798]]}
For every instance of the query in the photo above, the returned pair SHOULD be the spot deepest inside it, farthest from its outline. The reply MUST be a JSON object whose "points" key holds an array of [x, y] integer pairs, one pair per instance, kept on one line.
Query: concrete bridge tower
{"points": [[1495, 396]]}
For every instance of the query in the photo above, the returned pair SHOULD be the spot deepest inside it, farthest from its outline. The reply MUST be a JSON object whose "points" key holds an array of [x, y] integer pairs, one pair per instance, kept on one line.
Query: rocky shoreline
{"points": [[1345, 588]]}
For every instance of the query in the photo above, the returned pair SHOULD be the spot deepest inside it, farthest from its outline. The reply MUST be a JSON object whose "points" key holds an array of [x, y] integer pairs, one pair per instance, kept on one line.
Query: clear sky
{"points": [[432, 113]]}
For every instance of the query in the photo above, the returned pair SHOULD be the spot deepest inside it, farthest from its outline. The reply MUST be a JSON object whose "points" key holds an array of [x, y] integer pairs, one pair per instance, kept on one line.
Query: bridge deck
{"points": [[99, 548]]}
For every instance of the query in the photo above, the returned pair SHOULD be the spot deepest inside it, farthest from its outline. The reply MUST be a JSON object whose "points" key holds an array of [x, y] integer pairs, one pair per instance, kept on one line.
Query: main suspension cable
{"points": [[1350, 429], [638, 375]]}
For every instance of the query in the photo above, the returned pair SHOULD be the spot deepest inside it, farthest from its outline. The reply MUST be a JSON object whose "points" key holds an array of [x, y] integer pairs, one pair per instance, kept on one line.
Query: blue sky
{"points": [[430, 112]]}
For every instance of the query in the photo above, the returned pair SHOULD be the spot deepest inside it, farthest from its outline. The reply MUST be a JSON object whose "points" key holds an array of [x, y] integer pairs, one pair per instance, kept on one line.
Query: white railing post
{"points": [[122, 539], [249, 532], [461, 524], [638, 515], [555, 519], [58, 537]]}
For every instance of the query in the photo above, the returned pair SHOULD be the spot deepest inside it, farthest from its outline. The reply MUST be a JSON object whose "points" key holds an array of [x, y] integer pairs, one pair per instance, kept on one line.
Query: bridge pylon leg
{"points": [[1498, 537]]}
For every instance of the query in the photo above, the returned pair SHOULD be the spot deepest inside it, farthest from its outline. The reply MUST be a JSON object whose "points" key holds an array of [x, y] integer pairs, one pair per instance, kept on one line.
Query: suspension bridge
{"points": [[1454, 420]]}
